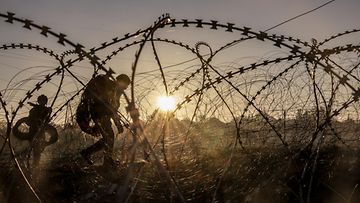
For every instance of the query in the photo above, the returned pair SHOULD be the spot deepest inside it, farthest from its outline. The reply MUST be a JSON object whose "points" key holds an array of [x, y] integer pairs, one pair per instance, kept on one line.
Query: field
{"points": [[255, 172]]}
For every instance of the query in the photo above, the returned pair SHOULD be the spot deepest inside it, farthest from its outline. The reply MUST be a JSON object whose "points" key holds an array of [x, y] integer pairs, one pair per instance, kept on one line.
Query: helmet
{"points": [[123, 78], [42, 99]]}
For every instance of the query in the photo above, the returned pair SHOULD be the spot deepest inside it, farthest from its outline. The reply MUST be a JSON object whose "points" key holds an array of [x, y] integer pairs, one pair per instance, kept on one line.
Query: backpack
{"points": [[98, 91]]}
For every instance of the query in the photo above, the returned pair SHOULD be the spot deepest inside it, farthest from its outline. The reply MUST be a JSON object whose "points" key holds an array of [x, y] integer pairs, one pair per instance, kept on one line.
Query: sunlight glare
{"points": [[166, 103]]}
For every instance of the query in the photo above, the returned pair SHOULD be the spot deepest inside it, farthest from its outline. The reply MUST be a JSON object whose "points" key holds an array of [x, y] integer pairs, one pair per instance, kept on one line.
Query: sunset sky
{"points": [[109, 17], [91, 23]]}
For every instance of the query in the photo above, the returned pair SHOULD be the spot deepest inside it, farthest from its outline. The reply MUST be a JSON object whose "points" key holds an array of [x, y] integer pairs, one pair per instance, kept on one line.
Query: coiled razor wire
{"points": [[261, 102]]}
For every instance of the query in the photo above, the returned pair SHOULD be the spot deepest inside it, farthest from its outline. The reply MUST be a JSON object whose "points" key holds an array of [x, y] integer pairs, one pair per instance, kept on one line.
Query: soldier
{"points": [[99, 103], [38, 117]]}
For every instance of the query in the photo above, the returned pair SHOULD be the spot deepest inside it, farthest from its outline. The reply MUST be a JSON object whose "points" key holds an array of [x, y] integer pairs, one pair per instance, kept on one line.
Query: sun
{"points": [[166, 103]]}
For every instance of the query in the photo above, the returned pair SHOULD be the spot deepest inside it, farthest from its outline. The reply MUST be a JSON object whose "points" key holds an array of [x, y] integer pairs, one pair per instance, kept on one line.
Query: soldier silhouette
{"points": [[99, 104], [38, 117]]}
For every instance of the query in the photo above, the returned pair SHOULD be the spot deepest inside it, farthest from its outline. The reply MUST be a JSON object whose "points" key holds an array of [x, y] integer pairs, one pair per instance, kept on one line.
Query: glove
{"points": [[134, 114]]}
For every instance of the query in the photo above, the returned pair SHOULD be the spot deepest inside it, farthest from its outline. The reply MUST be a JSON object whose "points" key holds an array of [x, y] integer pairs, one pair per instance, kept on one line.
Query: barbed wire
{"points": [[200, 83]]}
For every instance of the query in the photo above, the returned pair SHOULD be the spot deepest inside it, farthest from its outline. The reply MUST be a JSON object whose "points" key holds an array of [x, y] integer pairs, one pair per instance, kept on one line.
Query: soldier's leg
{"points": [[33, 129], [108, 135], [37, 146], [97, 146]]}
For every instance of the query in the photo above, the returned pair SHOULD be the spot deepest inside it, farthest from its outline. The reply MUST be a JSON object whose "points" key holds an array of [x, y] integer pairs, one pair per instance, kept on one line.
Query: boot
{"points": [[86, 156]]}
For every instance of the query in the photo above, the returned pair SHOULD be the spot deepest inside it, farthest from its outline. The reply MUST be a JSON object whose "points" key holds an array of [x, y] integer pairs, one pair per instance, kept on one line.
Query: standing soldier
{"points": [[38, 117]]}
